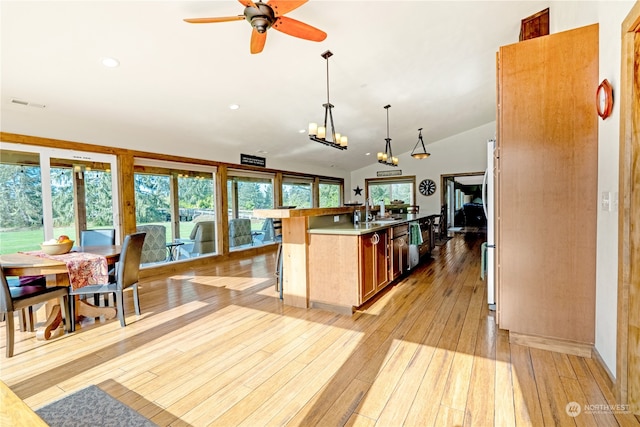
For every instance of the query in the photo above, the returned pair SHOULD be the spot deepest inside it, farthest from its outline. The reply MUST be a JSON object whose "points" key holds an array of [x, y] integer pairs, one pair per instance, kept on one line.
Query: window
{"points": [[330, 194], [48, 192], [296, 192], [247, 191], [391, 189], [175, 206], [21, 203]]}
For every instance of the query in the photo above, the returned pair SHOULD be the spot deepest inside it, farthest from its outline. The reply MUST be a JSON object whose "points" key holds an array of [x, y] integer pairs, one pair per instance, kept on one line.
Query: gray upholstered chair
{"points": [[203, 236], [155, 244], [240, 232], [98, 237], [126, 277], [15, 299]]}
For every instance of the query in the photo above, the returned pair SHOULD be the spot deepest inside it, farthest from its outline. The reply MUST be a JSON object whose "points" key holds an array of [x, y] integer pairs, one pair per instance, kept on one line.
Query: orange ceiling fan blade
{"points": [[248, 3], [212, 20], [299, 29], [280, 7], [257, 41]]}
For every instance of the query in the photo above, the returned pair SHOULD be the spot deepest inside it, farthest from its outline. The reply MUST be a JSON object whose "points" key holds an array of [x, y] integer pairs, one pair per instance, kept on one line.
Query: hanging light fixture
{"points": [[420, 154], [319, 133], [387, 158]]}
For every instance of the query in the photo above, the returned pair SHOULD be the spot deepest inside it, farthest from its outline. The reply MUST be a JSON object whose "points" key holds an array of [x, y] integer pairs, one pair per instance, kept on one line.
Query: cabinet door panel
{"points": [[381, 262], [368, 263], [547, 185]]}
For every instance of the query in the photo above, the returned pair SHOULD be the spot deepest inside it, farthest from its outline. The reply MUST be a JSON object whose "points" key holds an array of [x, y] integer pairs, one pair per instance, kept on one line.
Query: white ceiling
{"points": [[434, 62]]}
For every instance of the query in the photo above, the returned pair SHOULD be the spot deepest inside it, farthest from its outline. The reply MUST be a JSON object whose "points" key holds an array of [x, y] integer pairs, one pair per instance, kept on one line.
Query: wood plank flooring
{"points": [[215, 347]]}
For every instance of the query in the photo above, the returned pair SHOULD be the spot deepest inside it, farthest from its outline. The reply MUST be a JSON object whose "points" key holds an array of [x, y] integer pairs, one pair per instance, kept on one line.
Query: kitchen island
{"points": [[328, 262]]}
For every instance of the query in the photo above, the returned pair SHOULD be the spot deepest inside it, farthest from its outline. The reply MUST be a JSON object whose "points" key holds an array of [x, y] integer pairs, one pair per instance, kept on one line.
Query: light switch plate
{"points": [[605, 201]]}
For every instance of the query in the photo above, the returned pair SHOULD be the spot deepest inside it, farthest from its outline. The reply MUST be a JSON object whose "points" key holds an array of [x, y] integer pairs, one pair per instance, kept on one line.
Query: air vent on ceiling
{"points": [[26, 103]]}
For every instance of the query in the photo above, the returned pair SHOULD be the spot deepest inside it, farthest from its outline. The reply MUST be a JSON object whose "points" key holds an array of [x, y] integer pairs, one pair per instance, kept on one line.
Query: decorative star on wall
{"points": [[358, 191]]}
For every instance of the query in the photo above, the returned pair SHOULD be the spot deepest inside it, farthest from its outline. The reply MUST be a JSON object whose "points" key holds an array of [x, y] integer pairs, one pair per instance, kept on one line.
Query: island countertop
{"points": [[365, 227]]}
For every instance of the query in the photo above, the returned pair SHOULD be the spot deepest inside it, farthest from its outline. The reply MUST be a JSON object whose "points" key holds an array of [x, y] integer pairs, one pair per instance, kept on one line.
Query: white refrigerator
{"points": [[488, 202]]}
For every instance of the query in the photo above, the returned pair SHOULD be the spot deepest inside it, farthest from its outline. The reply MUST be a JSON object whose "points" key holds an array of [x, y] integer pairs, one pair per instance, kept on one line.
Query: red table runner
{"points": [[84, 268]]}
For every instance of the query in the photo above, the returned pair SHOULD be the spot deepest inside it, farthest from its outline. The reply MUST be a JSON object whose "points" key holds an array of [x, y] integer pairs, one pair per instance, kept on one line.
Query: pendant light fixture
{"points": [[420, 154], [320, 133], [387, 158]]}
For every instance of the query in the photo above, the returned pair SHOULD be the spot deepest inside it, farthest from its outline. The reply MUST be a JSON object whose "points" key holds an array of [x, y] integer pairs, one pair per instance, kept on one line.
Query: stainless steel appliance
{"points": [[488, 203]]}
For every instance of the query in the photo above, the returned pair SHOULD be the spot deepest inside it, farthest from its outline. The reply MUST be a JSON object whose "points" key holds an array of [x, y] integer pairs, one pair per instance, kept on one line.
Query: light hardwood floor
{"points": [[216, 347]]}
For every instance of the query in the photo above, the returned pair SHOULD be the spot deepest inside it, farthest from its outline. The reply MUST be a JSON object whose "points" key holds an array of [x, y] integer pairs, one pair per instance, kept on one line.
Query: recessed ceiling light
{"points": [[110, 62], [367, 154], [302, 131], [234, 106]]}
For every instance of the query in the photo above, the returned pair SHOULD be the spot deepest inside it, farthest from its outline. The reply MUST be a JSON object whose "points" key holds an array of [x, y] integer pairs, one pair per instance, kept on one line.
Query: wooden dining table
{"points": [[58, 269]]}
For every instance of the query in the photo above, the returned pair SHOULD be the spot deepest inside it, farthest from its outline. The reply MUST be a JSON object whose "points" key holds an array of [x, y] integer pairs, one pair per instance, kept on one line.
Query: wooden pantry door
{"points": [[547, 188]]}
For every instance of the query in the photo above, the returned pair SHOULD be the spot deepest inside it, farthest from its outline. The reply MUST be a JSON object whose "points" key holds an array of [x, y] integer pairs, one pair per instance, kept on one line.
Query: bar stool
{"points": [[277, 231]]}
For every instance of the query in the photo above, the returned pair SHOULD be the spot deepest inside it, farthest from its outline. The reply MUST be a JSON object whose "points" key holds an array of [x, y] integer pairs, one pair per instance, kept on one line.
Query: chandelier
{"points": [[319, 133], [420, 154], [387, 158]]}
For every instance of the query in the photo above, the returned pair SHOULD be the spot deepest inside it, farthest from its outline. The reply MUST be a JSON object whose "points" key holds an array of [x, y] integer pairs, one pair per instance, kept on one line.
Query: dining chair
{"points": [[14, 299], [126, 278], [98, 237]]}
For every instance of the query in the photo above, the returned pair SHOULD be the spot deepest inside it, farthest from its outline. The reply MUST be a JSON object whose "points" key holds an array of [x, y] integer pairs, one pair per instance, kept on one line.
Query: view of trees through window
{"points": [[329, 195], [23, 221], [29, 211], [250, 193], [153, 200], [391, 190], [296, 194]]}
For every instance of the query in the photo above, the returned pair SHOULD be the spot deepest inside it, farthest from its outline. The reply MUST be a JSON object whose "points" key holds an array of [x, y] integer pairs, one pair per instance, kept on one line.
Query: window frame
{"points": [[405, 179]]}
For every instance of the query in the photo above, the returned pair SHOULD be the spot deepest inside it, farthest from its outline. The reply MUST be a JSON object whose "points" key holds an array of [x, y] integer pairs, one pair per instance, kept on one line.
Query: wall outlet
{"points": [[336, 218]]}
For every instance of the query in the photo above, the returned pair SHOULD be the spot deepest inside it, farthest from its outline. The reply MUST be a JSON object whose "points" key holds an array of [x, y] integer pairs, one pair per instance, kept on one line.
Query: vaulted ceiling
{"points": [[433, 62]]}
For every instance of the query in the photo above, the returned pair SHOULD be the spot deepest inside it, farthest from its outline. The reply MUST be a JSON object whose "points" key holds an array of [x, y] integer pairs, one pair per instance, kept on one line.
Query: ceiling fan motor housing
{"points": [[260, 18]]}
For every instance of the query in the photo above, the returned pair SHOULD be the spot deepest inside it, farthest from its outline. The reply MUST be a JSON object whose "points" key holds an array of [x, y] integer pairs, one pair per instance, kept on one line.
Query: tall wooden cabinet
{"points": [[546, 186]]}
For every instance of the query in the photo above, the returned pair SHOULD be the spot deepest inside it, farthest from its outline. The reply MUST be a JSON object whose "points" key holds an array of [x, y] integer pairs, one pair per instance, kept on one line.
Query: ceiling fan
{"points": [[263, 16]]}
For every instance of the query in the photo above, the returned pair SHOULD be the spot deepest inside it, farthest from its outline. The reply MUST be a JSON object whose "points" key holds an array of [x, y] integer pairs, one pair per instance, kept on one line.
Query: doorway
{"points": [[628, 336], [463, 200]]}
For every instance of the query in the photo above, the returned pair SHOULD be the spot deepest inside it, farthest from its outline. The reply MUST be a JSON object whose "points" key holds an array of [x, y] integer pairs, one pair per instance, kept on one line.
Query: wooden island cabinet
{"points": [[327, 262], [345, 271]]}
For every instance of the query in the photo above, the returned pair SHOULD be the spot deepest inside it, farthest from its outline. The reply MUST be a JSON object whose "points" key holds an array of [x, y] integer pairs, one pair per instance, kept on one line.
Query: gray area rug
{"points": [[91, 407]]}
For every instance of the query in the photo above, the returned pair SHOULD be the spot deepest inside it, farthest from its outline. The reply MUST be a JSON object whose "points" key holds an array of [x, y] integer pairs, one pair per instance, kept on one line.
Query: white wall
{"points": [[465, 152], [609, 15]]}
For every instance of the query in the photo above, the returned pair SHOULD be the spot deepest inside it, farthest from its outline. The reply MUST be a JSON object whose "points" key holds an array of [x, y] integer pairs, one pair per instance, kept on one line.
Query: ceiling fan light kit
{"points": [[386, 157], [263, 16], [319, 133], [420, 154]]}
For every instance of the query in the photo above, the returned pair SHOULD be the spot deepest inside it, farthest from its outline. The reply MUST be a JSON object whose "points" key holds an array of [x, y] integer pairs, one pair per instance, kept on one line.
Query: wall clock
{"points": [[604, 99], [427, 187]]}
